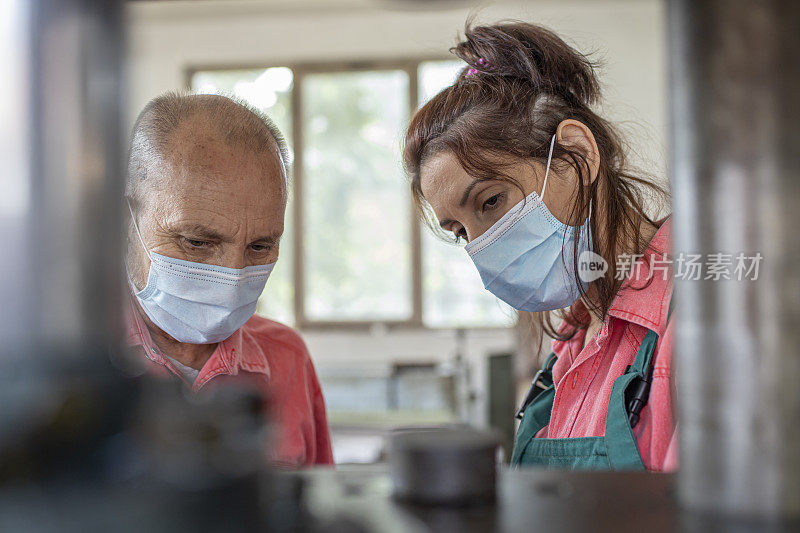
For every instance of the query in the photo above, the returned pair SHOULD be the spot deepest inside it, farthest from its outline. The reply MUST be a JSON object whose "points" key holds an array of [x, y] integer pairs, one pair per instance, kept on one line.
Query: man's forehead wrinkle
{"points": [[187, 217], [209, 205]]}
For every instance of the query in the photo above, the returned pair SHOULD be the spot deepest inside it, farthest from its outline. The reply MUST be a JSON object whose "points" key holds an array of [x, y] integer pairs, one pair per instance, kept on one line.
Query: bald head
{"points": [[167, 123]]}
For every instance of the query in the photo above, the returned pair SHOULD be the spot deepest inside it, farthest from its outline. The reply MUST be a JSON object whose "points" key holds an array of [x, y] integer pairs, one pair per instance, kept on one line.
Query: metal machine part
{"points": [[527, 500], [86, 443], [735, 83], [60, 232], [449, 466], [70, 458], [144, 455]]}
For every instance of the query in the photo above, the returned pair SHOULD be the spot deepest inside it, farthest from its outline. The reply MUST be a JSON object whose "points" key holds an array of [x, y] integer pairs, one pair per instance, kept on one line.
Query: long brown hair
{"points": [[520, 82]]}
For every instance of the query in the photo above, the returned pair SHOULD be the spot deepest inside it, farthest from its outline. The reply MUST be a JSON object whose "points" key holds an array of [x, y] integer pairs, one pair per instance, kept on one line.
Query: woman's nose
{"points": [[474, 231]]}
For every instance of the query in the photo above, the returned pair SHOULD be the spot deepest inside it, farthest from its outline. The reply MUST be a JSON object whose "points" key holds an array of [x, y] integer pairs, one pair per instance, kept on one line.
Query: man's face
{"points": [[211, 203]]}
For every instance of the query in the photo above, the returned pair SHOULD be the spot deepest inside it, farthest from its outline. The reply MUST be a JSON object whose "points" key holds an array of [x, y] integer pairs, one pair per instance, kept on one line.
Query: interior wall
{"points": [[627, 36]]}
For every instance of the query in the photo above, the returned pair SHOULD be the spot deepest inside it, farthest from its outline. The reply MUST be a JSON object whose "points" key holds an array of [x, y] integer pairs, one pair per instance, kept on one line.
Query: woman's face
{"points": [[467, 206]]}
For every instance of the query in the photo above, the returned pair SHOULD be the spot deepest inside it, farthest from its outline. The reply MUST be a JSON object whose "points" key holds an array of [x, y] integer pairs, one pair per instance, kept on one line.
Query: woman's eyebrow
{"points": [[468, 190]]}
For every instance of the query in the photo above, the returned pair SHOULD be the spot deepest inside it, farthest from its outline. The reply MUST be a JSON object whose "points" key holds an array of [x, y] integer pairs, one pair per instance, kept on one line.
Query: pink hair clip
{"points": [[482, 62]]}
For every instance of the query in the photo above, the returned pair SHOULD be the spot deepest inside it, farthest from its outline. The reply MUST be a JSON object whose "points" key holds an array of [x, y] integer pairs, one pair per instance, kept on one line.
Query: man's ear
{"points": [[578, 136]]}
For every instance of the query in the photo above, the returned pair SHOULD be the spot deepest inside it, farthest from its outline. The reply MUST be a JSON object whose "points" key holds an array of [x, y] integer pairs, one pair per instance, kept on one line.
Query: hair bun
{"points": [[532, 53]]}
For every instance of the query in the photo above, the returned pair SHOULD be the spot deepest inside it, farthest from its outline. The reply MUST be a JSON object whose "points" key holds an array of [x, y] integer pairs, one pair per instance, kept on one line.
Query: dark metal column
{"points": [[62, 248], [735, 67], [60, 242]]}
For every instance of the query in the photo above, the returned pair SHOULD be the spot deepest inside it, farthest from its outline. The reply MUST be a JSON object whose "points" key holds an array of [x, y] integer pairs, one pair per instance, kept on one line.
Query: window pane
{"points": [[435, 76], [269, 90], [453, 294], [356, 214]]}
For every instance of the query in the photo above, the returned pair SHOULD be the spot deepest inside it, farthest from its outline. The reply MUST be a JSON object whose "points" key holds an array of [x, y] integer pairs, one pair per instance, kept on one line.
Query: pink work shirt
{"points": [[584, 376], [275, 357]]}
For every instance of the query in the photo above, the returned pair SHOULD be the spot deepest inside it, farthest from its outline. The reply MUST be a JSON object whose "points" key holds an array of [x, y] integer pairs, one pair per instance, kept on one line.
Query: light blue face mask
{"points": [[527, 257], [198, 303]]}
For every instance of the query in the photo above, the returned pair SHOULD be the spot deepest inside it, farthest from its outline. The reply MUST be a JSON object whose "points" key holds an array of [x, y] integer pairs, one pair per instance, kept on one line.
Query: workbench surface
{"points": [[528, 500]]}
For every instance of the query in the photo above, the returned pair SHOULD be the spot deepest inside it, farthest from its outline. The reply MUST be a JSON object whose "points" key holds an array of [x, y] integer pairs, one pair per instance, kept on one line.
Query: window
{"points": [[354, 252], [356, 219], [271, 91]]}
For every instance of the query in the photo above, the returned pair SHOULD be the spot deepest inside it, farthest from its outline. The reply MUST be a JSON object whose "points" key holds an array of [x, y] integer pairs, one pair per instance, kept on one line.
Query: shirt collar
{"points": [[240, 350], [137, 333], [645, 294]]}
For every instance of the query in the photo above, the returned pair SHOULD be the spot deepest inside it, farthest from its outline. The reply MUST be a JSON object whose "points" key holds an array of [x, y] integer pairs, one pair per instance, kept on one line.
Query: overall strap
{"points": [[628, 396], [541, 381], [623, 453], [644, 357], [535, 409], [547, 369]]}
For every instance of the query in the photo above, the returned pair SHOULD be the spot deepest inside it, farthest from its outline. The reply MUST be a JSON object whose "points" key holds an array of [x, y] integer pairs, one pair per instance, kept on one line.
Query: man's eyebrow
{"points": [[269, 239], [468, 190], [198, 230]]}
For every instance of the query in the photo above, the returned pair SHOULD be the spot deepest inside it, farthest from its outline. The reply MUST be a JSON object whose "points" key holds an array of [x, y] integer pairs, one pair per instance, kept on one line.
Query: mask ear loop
{"points": [[547, 169], [588, 223], [136, 227], [589, 216], [547, 174]]}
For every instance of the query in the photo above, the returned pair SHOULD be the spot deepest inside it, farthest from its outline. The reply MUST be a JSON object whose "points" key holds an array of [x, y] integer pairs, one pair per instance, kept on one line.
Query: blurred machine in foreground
{"points": [[86, 442], [83, 446], [736, 177]]}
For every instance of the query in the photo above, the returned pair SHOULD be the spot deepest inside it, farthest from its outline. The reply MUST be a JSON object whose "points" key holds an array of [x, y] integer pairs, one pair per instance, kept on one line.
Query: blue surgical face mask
{"points": [[527, 257], [197, 303]]}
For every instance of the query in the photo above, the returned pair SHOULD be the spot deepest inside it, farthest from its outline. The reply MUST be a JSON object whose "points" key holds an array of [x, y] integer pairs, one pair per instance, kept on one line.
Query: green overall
{"points": [[616, 450]]}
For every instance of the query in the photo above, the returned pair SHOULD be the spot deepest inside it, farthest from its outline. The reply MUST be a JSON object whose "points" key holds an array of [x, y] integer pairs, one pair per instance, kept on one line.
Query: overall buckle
{"points": [[534, 390]]}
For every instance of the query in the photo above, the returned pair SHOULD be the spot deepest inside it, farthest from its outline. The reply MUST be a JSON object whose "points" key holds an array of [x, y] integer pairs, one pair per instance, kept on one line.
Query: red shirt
{"points": [[276, 357], [584, 376]]}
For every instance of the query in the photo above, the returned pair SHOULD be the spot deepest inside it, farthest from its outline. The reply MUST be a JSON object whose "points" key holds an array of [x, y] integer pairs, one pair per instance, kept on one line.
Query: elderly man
{"points": [[207, 194]]}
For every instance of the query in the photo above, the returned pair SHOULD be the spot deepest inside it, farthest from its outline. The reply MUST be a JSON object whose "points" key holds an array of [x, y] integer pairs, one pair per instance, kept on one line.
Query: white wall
{"points": [[167, 38]]}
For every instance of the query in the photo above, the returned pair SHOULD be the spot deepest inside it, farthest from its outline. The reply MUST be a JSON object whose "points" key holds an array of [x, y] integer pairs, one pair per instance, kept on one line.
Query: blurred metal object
{"points": [[736, 181], [170, 462], [443, 466], [86, 443], [59, 279], [71, 246], [502, 397], [198, 439], [203, 453], [531, 499], [15, 152]]}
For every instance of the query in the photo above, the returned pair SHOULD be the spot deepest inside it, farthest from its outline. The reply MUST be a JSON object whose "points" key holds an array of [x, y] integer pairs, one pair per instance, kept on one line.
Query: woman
{"points": [[513, 160]]}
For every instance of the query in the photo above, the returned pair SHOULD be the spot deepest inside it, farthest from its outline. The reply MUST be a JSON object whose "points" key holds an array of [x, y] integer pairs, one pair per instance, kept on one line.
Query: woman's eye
{"points": [[259, 247], [460, 234], [491, 202]]}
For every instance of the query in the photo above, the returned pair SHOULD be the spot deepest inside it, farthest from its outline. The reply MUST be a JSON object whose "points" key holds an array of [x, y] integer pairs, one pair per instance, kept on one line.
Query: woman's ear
{"points": [[577, 135]]}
